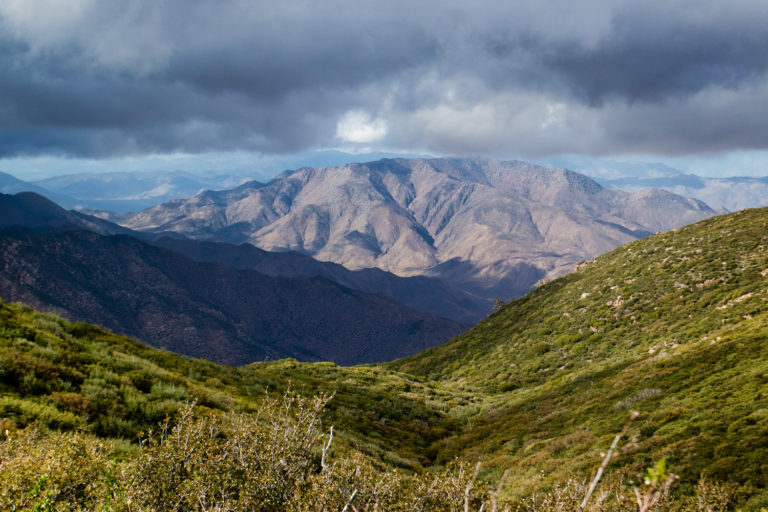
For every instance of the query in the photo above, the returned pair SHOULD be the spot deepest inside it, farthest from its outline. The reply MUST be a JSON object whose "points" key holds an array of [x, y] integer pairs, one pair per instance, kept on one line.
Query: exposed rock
{"points": [[494, 228]]}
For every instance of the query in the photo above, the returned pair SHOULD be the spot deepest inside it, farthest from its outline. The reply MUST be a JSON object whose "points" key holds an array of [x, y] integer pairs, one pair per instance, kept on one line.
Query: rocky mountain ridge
{"points": [[30, 211], [732, 193], [493, 228]]}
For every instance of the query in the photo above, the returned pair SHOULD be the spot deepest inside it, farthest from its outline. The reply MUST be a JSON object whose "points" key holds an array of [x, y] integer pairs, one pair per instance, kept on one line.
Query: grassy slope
{"points": [[76, 376], [671, 288], [675, 326]]}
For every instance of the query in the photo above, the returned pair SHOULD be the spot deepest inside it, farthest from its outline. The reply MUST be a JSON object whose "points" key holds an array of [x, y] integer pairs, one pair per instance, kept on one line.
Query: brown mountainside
{"points": [[493, 227]]}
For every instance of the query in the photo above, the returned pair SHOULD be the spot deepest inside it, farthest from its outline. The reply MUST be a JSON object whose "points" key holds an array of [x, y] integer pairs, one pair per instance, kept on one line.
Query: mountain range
{"points": [[460, 232], [61, 261], [129, 191], [732, 194], [11, 185], [490, 228], [724, 194], [118, 192], [31, 211], [123, 192]]}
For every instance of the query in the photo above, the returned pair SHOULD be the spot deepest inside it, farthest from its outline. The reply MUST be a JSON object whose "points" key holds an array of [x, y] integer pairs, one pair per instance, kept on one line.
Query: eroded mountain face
{"points": [[495, 227]]}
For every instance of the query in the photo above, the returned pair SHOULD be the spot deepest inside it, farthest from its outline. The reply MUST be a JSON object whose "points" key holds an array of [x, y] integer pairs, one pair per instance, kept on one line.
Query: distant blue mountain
{"points": [[731, 194], [603, 169], [12, 185], [132, 191]]}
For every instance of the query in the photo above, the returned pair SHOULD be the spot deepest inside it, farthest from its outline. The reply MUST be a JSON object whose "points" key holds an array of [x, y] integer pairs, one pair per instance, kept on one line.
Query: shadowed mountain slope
{"points": [[31, 210], [426, 294], [211, 311]]}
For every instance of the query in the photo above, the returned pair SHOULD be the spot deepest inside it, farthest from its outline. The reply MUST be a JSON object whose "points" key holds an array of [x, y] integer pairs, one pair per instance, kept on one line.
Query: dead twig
{"points": [[349, 501], [327, 447], [606, 460]]}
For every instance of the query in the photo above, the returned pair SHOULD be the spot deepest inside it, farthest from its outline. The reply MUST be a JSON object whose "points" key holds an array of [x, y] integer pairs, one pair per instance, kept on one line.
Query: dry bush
{"points": [[272, 461], [278, 460], [617, 497], [43, 472], [233, 462], [449, 490]]}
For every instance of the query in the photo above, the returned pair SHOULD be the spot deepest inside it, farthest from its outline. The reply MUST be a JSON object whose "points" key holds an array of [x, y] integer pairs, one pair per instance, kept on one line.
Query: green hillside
{"points": [[75, 376], [674, 326], [670, 289], [94, 421]]}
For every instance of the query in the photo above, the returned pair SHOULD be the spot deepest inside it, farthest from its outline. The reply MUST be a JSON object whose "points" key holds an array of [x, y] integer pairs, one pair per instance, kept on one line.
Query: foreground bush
{"points": [[230, 462], [277, 459], [43, 472], [274, 460], [617, 497]]}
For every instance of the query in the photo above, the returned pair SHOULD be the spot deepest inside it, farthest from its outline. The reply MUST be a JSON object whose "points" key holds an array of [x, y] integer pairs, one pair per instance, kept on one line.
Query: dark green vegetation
{"points": [[674, 326]]}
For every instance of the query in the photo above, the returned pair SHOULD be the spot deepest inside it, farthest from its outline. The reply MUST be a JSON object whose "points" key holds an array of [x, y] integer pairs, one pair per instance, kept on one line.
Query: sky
{"points": [[141, 84]]}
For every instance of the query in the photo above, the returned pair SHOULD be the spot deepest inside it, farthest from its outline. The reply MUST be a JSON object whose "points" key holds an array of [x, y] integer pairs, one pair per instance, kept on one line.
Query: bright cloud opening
{"points": [[358, 126]]}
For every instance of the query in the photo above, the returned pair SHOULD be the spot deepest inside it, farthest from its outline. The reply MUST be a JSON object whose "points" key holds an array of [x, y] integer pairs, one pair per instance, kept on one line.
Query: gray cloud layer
{"points": [[108, 77]]}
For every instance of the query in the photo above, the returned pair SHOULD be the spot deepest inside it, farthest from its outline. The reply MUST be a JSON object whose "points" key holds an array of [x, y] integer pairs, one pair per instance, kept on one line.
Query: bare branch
{"points": [[470, 486], [606, 460], [327, 447], [349, 501], [499, 488]]}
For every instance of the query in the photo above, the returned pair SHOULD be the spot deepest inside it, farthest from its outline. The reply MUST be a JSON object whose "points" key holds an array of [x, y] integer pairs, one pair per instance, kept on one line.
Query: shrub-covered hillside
{"points": [[75, 376], [673, 288], [674, 326]]}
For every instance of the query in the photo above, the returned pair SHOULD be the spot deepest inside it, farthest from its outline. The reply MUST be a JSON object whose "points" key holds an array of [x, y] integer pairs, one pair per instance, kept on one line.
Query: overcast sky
{"points": [[109, 80]]}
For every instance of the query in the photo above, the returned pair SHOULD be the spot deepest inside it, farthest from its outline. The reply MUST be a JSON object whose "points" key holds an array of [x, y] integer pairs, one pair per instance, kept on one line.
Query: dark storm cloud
{"points": [[650, 55], [100, 78]]}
